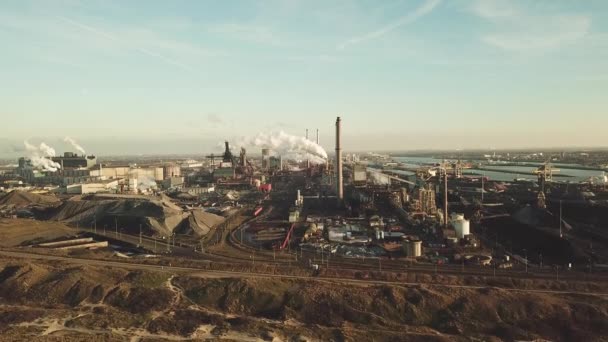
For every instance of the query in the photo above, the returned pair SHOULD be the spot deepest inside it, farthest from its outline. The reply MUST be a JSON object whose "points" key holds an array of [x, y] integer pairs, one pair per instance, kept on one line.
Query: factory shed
{"points": [[92, 187], [224, 173]]}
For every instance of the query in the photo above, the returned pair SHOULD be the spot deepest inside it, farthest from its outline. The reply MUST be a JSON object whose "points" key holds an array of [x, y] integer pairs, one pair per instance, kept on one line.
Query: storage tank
{"points": [[456, 217], [171, 170], [462, 227], [159, 173], [412, 248]]}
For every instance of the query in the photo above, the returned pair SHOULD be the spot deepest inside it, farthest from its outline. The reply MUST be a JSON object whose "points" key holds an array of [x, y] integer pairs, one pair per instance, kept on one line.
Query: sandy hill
{"points": [[157, 215], [22, 199], [201, 222]]}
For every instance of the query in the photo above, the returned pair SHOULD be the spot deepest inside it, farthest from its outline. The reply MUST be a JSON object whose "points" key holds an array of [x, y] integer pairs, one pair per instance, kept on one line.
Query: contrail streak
{"points": [[136, 48], [424, 9]]}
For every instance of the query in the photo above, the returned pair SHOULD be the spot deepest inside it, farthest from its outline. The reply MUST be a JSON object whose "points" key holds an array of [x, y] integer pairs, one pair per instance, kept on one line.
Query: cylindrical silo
{"points": [[462, 228]]}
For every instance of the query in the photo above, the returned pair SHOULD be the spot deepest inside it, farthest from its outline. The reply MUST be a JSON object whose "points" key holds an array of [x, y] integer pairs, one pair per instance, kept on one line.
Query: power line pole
{"points": [[482, 187], [560, 219]]}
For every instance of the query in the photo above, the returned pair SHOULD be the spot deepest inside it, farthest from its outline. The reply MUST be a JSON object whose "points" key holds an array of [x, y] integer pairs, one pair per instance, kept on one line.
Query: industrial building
{"points": [[359, 175], [60, 177], [172, 183], [265, 159], [139, 172], [71, 160], [224, 173], [276, 163], [109, 185]]}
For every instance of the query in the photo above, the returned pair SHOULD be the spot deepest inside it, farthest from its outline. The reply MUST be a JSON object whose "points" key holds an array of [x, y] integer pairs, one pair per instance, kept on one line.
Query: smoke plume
{"points": [[75, 145], [38, 156], [379, 178], [287, 145], [145, 183]]}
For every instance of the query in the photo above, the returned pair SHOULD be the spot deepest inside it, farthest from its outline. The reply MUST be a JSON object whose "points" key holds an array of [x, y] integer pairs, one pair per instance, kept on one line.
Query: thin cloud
{"points": [[251, 33], [427, 7], [563, 31], [214, 119], [519, 30], [493, 9], [113, 38]]}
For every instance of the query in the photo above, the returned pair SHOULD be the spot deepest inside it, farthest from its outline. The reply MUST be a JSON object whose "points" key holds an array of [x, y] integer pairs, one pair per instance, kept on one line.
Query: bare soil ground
{"points": [[20, 232], [62, 302]]}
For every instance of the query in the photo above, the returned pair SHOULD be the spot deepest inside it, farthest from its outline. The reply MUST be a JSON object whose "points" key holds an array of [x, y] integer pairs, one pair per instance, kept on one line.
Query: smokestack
{"points": [[339, 185], [445, 197], [317, 136], [307, 160]]}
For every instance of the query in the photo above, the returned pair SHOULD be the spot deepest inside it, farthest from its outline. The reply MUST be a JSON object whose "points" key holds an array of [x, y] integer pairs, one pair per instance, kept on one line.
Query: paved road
{"points": [[224, 274]]}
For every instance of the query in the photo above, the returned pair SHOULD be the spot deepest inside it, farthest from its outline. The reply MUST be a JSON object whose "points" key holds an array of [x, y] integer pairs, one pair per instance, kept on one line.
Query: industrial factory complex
{"points": [[284, 200]]}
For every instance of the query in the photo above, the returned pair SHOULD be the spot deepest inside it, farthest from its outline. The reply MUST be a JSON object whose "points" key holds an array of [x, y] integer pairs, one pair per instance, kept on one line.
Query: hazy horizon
{"points": [[113, 147]]}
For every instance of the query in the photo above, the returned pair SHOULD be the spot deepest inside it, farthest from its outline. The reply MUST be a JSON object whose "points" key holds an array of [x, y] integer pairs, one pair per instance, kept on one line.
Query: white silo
{"points": [[461, 225]]}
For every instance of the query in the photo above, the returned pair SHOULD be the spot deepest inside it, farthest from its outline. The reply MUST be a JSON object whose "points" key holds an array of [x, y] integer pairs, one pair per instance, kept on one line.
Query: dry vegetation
{"points": [[62, 300]]}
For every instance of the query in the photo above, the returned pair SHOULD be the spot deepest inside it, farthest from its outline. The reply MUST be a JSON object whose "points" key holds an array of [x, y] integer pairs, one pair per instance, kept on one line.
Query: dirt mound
{"points": [[22, 199], [21, 232], [201, 222], [156, 215], [135, 292], [289, 309], [486, 313], [139, 300], [34, 283]]}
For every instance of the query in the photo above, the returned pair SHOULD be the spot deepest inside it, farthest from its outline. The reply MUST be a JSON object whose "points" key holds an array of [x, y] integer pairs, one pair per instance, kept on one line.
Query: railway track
{"points": [[241, 252]]}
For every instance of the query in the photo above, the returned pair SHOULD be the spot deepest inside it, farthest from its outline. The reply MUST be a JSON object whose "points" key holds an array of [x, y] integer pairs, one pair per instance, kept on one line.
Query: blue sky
{"points": [[178, 76]]}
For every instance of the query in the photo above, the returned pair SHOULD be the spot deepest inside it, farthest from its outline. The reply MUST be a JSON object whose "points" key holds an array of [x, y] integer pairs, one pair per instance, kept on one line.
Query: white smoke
{"points": [[47, 150], [145, 183], [302, 157], [379, 178], [75, 145], [38, 156], [287, 145]]}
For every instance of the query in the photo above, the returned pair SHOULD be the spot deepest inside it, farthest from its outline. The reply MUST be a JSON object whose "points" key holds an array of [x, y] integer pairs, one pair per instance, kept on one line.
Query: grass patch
{"points": [[150, 280]]}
